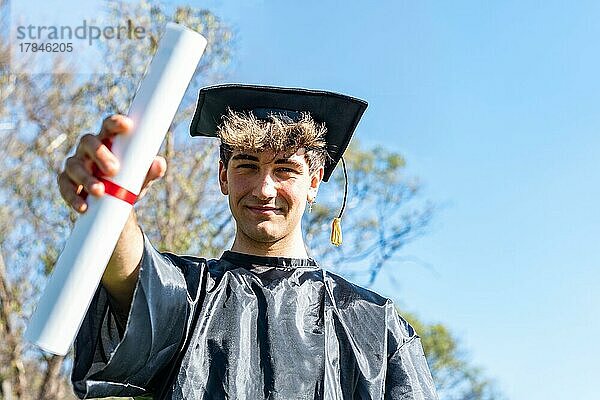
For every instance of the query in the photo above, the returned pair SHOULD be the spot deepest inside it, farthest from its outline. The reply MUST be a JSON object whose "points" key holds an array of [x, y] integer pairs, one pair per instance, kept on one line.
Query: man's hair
{"points": [[243, 131]]}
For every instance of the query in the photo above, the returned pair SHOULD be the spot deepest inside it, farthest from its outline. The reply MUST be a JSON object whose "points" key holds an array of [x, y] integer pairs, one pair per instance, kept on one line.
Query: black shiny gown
{"points": [[248, 327]]}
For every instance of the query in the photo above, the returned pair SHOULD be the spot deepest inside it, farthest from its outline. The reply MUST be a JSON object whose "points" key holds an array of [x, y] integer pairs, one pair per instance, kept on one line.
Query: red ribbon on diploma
{"points": [[112, 188], [117, 191]]}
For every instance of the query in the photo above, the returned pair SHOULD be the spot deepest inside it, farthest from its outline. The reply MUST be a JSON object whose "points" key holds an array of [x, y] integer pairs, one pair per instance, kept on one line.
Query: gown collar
{"points": [[249, 261]]}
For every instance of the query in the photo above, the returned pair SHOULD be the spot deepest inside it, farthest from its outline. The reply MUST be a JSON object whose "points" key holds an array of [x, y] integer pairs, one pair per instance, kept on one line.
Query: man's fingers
{"points": [[87, 140], [90, 147], [70, 192], [79, 175], [91, 153], [115, 124], [157, 170]]}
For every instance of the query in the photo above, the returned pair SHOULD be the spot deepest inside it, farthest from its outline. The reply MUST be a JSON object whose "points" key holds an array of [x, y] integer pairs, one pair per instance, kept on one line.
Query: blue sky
{"points": [[495, 107]]}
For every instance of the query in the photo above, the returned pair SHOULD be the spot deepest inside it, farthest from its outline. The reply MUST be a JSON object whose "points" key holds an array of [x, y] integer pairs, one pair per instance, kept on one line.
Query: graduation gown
{"points": [[248, 327]]}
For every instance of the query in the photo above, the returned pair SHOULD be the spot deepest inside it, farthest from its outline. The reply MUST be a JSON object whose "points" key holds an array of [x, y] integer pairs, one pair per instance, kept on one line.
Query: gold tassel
{"points": [[336, 226], [336, 232]]}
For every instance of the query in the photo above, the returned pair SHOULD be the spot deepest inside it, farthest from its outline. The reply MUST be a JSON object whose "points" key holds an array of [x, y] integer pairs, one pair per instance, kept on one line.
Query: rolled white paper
{"points": [[80, 266]]}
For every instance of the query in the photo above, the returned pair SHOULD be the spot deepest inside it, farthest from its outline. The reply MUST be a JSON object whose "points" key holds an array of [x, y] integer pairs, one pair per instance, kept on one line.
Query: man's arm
{"points": [[121, 274]]}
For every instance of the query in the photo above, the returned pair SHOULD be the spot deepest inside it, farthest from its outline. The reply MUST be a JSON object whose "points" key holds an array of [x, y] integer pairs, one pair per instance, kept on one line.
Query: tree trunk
{"points": [[7, 391], [14, 366], [50, 384]]}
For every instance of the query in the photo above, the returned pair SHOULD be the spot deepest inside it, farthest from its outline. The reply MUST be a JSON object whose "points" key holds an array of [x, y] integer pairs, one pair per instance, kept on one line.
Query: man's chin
{"points": [[264, 233]]}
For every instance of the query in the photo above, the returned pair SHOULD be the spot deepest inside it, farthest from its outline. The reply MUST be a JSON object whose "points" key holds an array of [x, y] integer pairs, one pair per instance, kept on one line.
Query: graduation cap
{"points": [[339, 113]]}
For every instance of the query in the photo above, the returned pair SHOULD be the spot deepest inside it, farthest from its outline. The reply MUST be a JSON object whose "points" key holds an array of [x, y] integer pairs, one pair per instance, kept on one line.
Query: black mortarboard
{"points": [[339, 113]]}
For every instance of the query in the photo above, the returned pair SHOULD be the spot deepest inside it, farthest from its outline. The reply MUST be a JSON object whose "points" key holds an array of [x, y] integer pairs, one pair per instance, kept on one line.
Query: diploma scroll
{"points": [[80, 266]]}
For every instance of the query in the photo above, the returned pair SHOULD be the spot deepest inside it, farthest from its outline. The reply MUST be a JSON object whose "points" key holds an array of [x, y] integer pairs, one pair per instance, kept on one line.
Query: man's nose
{"points": [[266, 187]]}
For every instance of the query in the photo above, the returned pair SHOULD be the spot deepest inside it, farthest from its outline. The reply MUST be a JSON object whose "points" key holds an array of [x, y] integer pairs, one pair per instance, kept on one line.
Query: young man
{"points": [[264, 320]]}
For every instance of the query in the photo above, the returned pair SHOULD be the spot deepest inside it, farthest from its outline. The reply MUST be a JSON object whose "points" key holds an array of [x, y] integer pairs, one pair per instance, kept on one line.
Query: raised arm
{"points": [[77, 180]]}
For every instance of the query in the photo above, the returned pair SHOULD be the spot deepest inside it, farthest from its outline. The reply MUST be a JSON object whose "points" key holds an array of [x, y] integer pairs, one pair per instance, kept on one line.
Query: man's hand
{"points": [[77, 178], [121, 273]]}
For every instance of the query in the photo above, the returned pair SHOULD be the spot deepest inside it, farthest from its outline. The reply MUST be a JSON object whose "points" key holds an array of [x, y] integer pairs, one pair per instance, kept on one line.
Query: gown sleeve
{"points": [[373, 353], [116, 359], [408, 376]]}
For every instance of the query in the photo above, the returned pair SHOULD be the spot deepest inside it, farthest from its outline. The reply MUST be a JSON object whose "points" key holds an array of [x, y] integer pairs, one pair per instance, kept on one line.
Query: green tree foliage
{"points": [[454, 376], [382, 213], [42, 118]]}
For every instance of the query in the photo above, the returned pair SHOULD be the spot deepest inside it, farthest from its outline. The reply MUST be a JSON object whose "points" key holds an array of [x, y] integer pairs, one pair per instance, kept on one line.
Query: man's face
{"points": [[268, 192]]}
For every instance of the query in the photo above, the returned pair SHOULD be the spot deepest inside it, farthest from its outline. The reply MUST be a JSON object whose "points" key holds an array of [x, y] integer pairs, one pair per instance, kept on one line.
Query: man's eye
{"points": [[287, 170]]}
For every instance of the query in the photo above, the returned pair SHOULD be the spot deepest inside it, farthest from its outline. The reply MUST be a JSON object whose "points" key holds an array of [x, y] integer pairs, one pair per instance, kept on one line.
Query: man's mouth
{"points": [[263, 210]]}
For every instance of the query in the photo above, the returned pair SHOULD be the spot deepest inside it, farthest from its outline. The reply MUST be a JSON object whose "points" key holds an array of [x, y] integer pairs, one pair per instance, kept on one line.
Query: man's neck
{"points": [[292, 247]]}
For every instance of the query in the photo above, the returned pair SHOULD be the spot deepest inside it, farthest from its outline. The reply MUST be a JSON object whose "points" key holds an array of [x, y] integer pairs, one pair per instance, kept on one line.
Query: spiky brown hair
{"points": [[243, 131]]}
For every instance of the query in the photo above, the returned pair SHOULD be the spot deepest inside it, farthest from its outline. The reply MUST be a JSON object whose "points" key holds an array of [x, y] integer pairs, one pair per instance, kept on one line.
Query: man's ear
{"points": [[315, 180], [223, 178]]}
